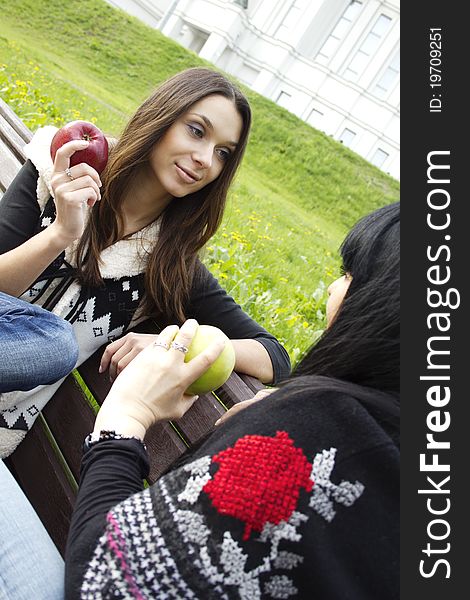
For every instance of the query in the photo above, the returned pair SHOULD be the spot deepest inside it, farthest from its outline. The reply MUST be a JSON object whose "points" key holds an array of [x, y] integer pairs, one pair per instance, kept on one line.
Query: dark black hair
{"points": [[362, 344]]}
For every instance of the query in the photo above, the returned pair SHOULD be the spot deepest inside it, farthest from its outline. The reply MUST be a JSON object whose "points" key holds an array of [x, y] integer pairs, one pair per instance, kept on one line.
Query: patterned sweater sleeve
{"points": [[111, 471], [293, 495], [210, 304]]}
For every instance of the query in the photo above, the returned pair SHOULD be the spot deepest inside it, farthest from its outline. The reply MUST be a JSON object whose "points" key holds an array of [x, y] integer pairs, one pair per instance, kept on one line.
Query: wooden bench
{"points": [[47, 462]]}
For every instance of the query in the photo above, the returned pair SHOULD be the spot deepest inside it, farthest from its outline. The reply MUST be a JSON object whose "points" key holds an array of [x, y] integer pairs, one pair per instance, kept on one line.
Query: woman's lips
{"points": [[185, 176]]}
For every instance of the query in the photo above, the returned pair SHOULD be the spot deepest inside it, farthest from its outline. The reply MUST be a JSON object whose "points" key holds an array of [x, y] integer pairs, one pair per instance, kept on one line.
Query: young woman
{"points": [[296, 496], [108, 253]]}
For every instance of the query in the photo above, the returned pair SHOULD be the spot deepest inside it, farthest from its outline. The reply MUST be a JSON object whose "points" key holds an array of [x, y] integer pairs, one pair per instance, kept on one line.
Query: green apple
{"points": [[218, 373]]}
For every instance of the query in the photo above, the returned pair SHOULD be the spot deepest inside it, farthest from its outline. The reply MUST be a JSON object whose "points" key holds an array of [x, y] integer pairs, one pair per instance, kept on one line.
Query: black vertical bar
{"points": [[435, 233]]}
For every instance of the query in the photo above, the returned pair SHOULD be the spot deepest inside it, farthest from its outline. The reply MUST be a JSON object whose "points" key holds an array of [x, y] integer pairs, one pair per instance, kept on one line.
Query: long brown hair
{"points": [[185, 226]]}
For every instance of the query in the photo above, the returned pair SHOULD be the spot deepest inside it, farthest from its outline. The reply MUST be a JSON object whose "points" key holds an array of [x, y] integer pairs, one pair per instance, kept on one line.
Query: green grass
{"points": [[296, 195]]}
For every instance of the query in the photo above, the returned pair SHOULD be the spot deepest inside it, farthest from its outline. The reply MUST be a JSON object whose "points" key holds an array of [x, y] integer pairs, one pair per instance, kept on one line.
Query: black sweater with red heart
{"points": [[295, 497]]}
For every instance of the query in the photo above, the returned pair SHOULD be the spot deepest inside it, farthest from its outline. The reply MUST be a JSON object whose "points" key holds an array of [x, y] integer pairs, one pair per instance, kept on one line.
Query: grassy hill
{"points": [[298, 190]]}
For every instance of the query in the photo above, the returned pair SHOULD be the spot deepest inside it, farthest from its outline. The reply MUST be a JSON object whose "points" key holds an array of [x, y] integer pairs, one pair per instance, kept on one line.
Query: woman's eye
{"points": [[196, 131], [223, 153]]}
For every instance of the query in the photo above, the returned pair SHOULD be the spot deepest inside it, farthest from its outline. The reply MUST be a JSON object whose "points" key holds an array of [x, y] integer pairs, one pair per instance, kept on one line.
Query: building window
{"points": [[284, 99], [347, 137], [388, 78], [315, 118], [368, 47], [380, 156], [291, 19], [339, 32]]}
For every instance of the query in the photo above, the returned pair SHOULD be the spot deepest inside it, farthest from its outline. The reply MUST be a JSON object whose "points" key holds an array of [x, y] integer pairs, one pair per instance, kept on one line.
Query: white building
{"points": [[333, 63]]}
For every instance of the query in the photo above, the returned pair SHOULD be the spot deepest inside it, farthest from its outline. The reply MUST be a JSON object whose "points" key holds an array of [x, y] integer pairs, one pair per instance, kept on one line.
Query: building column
{"points": [[172, 26], [170, 23], [213, 47]]}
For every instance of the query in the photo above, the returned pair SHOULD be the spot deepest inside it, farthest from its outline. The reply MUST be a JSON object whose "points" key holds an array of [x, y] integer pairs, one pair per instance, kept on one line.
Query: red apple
{"points": [[96, 155], [220, 370]]}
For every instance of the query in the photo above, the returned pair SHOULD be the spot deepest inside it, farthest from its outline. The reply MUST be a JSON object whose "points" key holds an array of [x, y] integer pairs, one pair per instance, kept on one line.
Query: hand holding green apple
{"points": [[218, 373], [161, 383]]}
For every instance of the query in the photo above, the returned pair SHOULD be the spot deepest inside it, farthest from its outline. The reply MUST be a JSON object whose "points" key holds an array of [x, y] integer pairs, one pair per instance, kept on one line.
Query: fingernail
{"points": [[217, 422], [84, 142], [100, 370]]}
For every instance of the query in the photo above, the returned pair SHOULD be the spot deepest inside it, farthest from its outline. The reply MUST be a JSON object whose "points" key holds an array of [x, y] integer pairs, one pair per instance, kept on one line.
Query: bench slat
{"points": [[14, 121], [98, 383], [15, 142], [235, 390], [164, 447], [252, 383], [70, 418], [200, 418], [39, 472]]}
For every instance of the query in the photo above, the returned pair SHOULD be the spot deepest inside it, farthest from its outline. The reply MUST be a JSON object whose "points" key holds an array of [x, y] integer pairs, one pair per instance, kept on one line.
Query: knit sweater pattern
{"points": [[295, 497]]}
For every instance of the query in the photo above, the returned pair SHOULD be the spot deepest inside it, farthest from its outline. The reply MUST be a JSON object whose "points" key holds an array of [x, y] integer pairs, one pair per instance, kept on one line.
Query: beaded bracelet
{"points": [[106, 435]]}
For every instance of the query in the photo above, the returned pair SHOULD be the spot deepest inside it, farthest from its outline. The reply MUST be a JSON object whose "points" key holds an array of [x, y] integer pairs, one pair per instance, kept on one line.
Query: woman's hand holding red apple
{"points": [[72, 193]]}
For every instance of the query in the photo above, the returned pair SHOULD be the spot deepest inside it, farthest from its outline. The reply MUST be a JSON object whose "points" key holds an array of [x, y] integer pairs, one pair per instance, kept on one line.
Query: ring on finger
{"points": [[179, 347], [162, 345], [68, 172]]}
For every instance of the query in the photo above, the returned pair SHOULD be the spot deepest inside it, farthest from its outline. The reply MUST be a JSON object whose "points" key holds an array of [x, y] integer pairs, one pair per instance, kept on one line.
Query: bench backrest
{"points": [[47, 462]]}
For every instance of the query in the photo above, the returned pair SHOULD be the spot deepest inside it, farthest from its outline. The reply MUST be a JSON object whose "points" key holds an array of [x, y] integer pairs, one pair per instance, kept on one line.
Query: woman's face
{"points": [[336, 293], [194, 150]]}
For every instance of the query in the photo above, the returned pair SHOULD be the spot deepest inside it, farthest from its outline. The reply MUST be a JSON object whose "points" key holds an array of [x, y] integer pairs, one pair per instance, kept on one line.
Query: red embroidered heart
{"points": [[259, 480]]}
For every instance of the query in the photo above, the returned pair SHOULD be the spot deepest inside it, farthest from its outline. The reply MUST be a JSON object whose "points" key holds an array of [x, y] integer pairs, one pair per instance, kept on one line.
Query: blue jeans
{"points": [[36, 347], [30, 564]]}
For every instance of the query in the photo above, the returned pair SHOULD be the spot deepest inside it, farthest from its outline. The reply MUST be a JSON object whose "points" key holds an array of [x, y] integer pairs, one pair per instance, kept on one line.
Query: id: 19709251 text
{"points": [[435, 69]]}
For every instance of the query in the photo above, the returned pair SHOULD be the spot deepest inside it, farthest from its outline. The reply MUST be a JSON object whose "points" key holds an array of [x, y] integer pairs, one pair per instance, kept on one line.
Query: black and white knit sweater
{"points": [[295, 497], [98, 315]]}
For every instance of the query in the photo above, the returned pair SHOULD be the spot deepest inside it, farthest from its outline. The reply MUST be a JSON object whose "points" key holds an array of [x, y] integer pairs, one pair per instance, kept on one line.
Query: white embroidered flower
{"points": [[199, 470], [286, 530], [325, 491], [192, 527], [287, 560], [280, 586]]}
